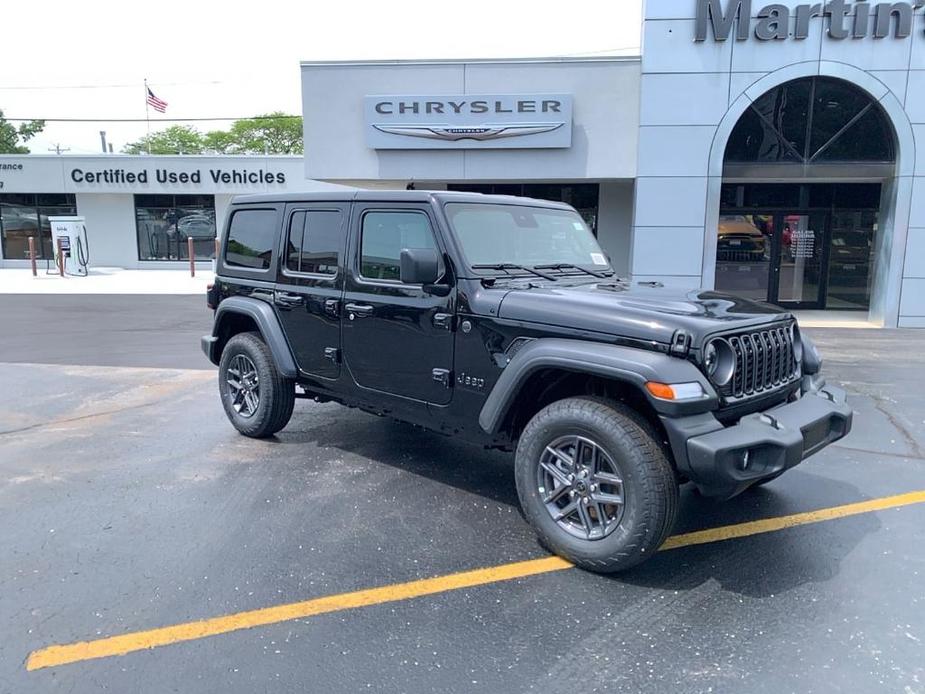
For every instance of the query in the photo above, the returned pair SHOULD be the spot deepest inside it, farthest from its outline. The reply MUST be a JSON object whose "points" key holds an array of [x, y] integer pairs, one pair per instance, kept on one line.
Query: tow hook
{"points": [[770, 421]]}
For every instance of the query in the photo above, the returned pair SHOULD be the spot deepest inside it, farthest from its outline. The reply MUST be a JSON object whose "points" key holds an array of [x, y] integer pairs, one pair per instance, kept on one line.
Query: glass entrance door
{"points": [[744, 245], [799, 261]]}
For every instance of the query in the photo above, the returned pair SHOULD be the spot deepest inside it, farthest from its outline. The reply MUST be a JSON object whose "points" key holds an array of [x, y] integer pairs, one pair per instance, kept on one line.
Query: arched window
{"points": [[813, 120]]}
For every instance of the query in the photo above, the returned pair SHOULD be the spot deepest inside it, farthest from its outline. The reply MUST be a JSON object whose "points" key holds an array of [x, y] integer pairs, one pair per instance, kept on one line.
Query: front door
{"points": [[310, 283], [799, 261], [398, 338]]}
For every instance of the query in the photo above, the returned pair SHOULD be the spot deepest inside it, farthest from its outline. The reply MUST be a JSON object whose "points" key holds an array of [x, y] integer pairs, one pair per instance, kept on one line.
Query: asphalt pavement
{"points": [[128, 503]]}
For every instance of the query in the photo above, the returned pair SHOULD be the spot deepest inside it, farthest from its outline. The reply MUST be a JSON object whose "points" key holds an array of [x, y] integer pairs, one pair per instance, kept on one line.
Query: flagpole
{"points": [[147, 116]]}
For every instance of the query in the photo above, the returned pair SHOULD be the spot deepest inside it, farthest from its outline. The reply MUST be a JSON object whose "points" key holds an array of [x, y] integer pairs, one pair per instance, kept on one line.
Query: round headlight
{"points": [[710, 359], [797, 342], [719, 361]]}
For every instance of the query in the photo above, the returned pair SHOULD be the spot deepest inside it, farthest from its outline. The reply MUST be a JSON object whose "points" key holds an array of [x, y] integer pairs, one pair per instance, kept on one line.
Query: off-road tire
{"points": [[276, 396], [650, 483]]}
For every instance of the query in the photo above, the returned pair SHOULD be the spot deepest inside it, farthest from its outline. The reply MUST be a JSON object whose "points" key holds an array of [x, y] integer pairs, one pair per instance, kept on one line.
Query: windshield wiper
{"points": [[506, 267], [572, 266]]}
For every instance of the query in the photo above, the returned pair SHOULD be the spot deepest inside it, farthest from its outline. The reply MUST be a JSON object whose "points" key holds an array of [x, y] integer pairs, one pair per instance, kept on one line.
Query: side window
{"points": [[384, 235], [316, 238], [250, 239]]}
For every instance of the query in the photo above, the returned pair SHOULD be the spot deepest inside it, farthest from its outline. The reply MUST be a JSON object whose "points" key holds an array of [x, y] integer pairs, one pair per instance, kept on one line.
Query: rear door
{"points": [[310, 283], [398, 338]]}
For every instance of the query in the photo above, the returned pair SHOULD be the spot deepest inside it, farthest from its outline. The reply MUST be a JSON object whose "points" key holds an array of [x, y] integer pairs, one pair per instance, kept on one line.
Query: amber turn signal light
{"points": [[675, 391]]}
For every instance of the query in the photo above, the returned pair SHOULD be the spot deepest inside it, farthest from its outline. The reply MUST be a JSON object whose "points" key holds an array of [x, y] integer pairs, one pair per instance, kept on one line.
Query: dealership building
{"points": [[769, 151], [139, 211]]}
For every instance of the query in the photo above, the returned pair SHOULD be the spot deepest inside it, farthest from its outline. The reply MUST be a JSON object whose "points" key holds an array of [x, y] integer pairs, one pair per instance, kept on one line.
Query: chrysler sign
{"points": [[469, 121], [843, 19]]}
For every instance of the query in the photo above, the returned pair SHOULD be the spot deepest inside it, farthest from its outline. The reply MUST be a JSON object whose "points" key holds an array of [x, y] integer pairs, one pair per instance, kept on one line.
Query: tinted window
{"points": [[250, 239], [813, 119], [384, 235], [315, 240]]}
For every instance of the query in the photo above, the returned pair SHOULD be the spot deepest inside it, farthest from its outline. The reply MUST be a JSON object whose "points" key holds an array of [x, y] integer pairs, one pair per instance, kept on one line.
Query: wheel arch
{"points": [[546, 370], [239, 314]]}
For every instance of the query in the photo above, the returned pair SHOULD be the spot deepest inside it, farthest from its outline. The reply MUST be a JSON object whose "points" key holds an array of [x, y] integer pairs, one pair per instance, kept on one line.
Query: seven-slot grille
{"points": [[764, 362]]}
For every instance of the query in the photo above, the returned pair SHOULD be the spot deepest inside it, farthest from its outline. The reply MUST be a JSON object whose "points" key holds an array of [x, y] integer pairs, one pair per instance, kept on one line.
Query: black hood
{"points": [[646, 313]]}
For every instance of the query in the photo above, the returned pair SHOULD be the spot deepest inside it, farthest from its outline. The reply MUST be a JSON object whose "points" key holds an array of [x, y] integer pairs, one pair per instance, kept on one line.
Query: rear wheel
{"points": [[595, 484], [256, 398]]}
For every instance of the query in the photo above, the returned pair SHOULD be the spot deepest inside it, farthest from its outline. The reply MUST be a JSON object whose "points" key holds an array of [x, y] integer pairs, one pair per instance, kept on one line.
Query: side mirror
{"points": [[419, 266]]}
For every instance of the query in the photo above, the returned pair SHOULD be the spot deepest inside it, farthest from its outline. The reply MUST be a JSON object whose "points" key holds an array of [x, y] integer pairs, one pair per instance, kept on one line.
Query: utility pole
{"points": [[103, 140], [58, 149]]}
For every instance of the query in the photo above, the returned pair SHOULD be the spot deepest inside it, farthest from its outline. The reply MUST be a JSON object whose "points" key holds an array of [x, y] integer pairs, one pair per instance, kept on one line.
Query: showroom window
{"points": [[26, 214], [163, 224], [815, 120]]}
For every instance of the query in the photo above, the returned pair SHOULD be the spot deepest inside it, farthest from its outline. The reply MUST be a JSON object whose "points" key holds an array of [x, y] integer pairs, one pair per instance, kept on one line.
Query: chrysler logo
{"points": [[479, 133]]}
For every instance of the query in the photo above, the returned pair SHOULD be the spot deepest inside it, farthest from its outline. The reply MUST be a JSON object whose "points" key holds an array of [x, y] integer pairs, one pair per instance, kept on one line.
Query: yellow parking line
{"points": [[152, 638], [770, 525]]}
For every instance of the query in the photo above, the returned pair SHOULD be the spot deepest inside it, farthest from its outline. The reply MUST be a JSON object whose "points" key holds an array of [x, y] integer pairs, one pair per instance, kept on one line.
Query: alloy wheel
{"points": [[244, 385], [581, 487]]}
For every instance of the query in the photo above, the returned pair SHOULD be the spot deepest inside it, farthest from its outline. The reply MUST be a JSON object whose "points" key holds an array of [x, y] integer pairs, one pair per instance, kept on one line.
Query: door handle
{"points": [[443, 321], [331, 307], [358, 310], [287, 300]]}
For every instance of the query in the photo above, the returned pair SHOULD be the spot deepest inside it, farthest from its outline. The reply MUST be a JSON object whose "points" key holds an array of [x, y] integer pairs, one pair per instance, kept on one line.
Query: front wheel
{"points": [[595, 484], [256, 398]]}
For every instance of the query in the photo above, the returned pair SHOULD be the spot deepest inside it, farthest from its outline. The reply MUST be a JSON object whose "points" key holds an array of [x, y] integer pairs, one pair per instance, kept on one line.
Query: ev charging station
{"points": [[74, 245]]}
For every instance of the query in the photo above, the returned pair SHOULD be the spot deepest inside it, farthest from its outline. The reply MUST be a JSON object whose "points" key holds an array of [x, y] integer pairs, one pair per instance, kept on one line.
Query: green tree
{"points": [[220, 141], [177, 139], [273, 133], [11, 136]]}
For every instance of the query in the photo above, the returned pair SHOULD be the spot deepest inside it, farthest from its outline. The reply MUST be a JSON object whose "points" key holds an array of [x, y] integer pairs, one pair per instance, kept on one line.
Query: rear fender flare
{"points": [[268, 324]]}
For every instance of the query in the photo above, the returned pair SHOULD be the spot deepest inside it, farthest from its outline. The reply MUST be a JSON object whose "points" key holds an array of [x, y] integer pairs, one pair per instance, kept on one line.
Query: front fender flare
{"points": [[268, 324], [630, 365]]}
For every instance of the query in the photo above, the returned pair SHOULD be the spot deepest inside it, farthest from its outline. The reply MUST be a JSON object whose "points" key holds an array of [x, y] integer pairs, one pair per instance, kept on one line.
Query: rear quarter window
{"points": [[251, 237]]}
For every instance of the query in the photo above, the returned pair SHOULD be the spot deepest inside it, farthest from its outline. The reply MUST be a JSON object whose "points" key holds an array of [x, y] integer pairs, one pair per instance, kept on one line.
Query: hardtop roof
{"points": [[394, 196]]}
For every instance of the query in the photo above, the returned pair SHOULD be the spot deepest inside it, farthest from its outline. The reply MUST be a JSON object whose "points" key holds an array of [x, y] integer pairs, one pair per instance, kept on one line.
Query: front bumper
{"points": [[209, 344], [723, 461]]}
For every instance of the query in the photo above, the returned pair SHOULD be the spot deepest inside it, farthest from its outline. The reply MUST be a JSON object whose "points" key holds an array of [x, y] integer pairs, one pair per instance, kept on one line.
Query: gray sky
{"points": [[209, 59]]}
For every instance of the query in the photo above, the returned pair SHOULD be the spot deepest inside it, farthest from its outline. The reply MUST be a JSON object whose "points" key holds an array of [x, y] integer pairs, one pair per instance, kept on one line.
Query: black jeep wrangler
{"points": [[500, 321]]}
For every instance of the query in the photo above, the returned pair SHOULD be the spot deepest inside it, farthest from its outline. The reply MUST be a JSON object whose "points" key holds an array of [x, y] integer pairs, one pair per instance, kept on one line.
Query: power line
{"points": [[145, 120], [103, 86]]}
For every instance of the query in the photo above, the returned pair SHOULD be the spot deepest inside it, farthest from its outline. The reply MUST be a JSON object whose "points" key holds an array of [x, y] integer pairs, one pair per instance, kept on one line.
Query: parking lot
{"points": [[129, 507]]}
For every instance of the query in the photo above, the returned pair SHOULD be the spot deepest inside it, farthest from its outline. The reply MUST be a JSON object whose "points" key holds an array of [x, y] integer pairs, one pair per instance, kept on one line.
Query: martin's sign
{"points": [[844, 19], [469, 121]]}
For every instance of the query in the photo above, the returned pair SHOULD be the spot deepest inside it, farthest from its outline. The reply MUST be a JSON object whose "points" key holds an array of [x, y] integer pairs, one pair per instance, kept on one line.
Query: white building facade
{"points": [[768, 151], [140, 211]]}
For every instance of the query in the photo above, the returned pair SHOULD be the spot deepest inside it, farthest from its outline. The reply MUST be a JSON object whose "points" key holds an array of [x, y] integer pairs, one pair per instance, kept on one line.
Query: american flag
{"points": [[159, 104]]}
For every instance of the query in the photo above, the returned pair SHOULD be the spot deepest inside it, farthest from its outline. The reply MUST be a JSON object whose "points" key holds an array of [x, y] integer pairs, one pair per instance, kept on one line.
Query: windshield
{"points": [[528, 236]]}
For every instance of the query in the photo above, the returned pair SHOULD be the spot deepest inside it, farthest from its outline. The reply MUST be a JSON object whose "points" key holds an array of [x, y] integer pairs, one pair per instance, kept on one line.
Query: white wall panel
{"points": [[668, 251], [913, 297], [668, 46], [915, 253], [895, 81], [689, 99], [765, 56], [680, 150], [615, 223], [670, 202]]}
